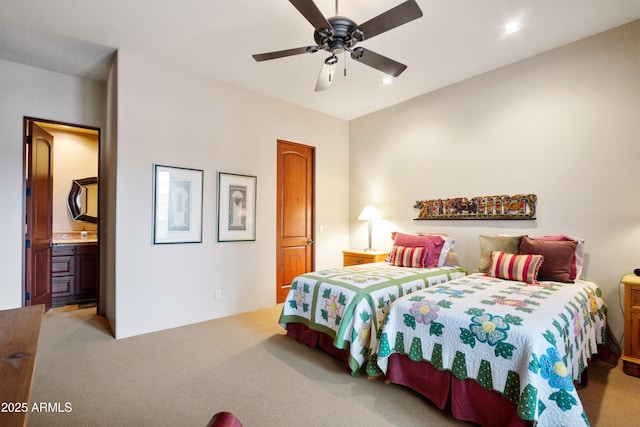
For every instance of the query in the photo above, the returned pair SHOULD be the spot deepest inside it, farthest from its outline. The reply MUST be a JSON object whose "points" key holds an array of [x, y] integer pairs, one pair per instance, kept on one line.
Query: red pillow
{"points": [[558, 256], [433, 246], [561, 238]]}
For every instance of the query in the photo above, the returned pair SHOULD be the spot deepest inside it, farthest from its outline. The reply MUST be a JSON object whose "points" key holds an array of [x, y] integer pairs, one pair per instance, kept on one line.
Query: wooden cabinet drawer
{"points": [[63, 250], [62, 265], [634, 298], [362, 257], [354, 260], [62, 286]]}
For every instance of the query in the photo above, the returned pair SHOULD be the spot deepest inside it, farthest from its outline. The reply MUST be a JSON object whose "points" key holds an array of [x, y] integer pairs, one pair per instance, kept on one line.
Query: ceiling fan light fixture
{"points": [[331, 60], [340, 34], [357, 53], [357, 35], [387, 80]]}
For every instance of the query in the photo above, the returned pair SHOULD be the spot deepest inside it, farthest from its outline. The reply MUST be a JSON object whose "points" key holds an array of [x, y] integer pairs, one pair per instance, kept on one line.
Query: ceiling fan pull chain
{"points": [[345, 63]]}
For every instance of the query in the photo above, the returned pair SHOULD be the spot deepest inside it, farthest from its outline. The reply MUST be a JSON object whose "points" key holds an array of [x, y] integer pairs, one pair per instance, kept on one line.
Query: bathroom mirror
{"points": [[83, 200]]}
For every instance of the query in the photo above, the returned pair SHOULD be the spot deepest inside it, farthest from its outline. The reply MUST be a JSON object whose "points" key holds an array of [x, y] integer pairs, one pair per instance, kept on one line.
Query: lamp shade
{"points": [[369, 213]]}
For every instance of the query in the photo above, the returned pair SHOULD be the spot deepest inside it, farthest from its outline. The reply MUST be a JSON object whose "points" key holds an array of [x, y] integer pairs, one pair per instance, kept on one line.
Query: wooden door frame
{"points": [[26, 287]]}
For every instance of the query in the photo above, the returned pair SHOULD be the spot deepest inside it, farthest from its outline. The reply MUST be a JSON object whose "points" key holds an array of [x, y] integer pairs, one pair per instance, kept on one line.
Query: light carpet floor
{"points": [[243, 364]]}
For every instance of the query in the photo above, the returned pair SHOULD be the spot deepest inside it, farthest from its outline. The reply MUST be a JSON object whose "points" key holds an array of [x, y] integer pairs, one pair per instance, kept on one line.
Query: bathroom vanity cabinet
{"points": [[74, 271]]}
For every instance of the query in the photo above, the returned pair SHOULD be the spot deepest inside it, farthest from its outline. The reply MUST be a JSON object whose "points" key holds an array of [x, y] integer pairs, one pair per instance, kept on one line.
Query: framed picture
{"points": [[177, 199], [236, 207]]}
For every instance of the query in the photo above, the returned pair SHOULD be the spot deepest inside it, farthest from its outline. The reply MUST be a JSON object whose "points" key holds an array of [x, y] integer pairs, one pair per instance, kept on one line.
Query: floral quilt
{"points": [[348, 303], [527, 342]]}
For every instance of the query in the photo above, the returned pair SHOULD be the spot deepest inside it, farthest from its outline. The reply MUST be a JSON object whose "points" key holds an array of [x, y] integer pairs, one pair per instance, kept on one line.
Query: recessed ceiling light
{"points": [[512, 27], [387, 80]]}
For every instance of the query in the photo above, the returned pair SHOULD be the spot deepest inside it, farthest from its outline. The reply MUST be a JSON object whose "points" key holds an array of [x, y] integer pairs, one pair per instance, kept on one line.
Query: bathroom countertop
{"points": [[74, 241], [73, 238]]}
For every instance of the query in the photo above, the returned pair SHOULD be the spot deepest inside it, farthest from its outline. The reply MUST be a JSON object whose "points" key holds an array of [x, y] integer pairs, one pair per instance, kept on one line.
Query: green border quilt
{"points": [[348, 303]]}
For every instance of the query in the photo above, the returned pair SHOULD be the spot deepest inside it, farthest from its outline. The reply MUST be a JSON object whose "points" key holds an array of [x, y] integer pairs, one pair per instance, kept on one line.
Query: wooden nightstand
{"points": [[631, 355], [363, 257]]}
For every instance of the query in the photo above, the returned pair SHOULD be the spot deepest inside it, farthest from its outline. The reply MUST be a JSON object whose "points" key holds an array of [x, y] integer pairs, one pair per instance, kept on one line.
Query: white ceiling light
{"points": [[387, 80], [512, 27]]}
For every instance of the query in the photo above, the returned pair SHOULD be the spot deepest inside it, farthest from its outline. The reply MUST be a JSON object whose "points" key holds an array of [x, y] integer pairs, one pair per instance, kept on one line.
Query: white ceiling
{"points": [[454, 40]]}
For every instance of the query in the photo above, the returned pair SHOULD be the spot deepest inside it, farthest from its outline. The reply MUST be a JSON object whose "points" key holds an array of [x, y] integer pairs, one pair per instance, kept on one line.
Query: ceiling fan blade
{"points": [[392, 18], [310, 11], [326, 76], [282, 53], [377, 61]]}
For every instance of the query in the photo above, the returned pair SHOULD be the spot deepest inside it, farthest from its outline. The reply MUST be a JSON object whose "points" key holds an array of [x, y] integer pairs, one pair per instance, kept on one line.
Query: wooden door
{"points": [[295, 214], [39, 205]]}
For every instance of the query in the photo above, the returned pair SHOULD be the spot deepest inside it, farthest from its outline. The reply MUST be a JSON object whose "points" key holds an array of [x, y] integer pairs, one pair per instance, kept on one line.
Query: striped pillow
{"points": [[523, 268], [403, 256]]}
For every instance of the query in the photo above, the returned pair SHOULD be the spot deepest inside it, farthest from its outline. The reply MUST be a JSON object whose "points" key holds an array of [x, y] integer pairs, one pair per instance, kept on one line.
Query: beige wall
{"points": [[108, 171], [75, 156], [169, 116], [564, 125], [33, 92]]}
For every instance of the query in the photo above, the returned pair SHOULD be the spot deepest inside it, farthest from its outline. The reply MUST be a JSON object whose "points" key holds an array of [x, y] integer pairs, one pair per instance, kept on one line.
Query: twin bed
{"points": [[501, 347], [341, 309], [525, 343]]}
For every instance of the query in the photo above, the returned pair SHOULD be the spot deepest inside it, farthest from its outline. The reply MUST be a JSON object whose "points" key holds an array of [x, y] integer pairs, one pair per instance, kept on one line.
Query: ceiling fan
{"points": [[339, 34]]}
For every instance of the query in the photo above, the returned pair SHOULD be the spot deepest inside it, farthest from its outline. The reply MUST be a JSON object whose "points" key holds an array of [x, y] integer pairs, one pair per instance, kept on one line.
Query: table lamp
{"points": [[369, 213]]}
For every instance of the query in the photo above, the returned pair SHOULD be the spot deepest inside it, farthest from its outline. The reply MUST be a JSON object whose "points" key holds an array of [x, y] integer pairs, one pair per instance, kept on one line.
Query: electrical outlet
{"points": [[218, 294]]}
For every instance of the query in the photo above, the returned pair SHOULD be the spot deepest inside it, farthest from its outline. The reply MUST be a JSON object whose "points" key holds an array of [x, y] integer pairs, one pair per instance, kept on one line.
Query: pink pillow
{"points": [[433, 246], [408, 257], [523, 268], [577, 259]]}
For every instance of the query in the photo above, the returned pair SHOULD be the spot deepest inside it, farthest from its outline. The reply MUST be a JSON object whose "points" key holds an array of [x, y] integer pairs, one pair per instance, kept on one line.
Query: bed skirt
{"points": [[465, 399], [315, 339]]}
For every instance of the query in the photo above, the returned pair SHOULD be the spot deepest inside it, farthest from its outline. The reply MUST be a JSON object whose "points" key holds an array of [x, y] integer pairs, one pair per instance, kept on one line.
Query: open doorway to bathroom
{"points": [[61, 248]]}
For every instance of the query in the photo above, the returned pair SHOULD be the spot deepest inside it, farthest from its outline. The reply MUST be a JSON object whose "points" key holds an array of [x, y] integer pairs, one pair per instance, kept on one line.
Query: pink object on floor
{"points": [[224, 419]]}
